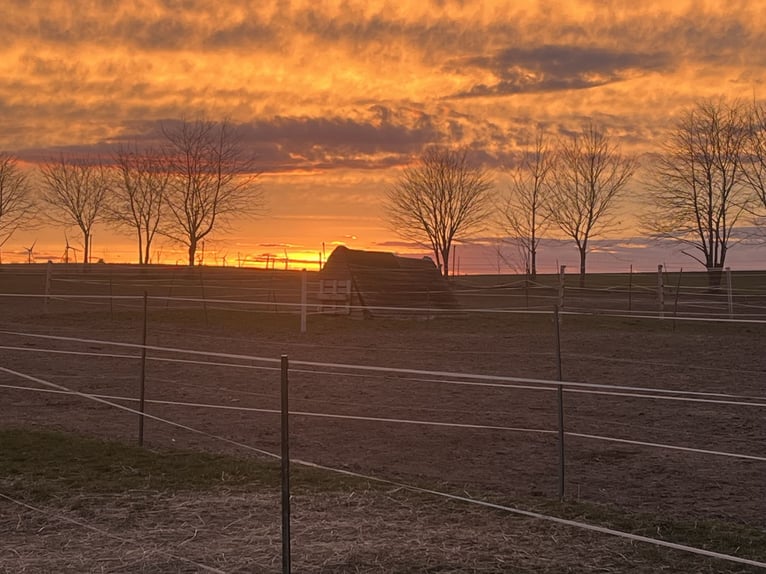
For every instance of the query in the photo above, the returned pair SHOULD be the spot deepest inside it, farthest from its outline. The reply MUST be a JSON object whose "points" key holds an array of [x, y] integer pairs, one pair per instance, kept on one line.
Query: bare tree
{"points": [[16, 203], [138, 195], [588, 176], [211, 181], [697, 187], [754, 158], [523, 215], [76, 190], [439, 200]]}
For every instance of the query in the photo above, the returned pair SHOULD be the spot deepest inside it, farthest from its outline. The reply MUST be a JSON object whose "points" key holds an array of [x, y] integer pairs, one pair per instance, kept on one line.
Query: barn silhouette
{"points": [[381, 284]]}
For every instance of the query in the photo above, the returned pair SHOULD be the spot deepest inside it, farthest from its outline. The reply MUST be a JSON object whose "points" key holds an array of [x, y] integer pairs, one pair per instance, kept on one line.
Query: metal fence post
{"points": [[560, 397], [562, 271], [142, 386], [285, 471]]}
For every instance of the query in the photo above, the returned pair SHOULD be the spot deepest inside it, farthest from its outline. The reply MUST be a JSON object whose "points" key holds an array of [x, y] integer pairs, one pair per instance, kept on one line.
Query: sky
{"points": [[335, 98]]}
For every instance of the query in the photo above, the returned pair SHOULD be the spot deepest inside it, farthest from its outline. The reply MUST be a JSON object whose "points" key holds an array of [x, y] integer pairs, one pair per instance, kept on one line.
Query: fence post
{"points": [[729, 293], [304, 289], [562, 271], [111, 296], [285, 470], [142, 385], [660, 292], [48, 273], [204, 298], [560, 396], [526, 291]]}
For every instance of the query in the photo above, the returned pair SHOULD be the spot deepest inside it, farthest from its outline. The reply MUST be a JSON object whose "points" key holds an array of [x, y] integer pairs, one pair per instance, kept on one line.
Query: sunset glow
{"points": [[334, 98]]}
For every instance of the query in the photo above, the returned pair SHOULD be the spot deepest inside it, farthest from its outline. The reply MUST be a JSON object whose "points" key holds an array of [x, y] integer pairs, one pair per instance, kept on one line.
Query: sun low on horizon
{"points": [[335, 98]]}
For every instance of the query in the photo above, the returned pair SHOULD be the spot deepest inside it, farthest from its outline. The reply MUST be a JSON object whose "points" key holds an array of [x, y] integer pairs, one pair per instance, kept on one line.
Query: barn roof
{"points": [[381, 279]]}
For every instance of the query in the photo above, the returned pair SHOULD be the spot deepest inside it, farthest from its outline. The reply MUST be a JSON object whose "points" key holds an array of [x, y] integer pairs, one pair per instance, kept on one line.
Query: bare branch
{"points": [[523, 215], [16, 203], [210, 181], [76, 191], [698, 187], [439, 200], [140, 185], [588, 176]]}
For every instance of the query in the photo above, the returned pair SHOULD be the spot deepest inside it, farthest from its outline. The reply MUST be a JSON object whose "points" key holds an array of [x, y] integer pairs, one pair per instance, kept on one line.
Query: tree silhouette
{"points": [[754, 158], [698, 192], [16, 203], [76, 191], [524, 216], [588, 176], [210, 181], [440, 199], [139, 195]]}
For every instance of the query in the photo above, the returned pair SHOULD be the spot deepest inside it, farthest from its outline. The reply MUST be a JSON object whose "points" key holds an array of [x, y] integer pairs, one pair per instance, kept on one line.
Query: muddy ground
{"points": [[723, 363]]}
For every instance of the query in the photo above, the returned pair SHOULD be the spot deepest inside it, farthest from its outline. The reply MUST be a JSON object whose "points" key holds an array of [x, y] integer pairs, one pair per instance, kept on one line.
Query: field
{"points": [[664, 419]]}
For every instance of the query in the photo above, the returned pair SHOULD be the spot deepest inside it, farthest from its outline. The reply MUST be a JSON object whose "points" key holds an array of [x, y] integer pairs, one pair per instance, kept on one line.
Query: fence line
{"points": [[95, 398], [373, 369], [202, 334], [727, 307], [412, 488], [435, 381], [690, 399], [432, 311], [310, 414]]}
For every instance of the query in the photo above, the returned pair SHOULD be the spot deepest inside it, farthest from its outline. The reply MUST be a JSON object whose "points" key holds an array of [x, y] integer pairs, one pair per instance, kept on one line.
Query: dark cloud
{"points": [[295, 143], [550, 68]]}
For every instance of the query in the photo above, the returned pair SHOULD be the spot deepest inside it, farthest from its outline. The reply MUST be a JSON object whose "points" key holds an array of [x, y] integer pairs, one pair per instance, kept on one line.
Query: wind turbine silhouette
{"points": [[29, 251], [67, 249]]}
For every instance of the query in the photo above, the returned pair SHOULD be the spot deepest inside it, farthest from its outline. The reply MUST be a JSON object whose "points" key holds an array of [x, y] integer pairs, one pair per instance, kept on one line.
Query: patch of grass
{"points": [[43, 464]]}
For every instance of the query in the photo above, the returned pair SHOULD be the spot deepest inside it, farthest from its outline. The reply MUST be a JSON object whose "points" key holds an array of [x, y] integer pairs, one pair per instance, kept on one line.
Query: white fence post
{"points": [[729, 293], [304, 289], [48, 273]]}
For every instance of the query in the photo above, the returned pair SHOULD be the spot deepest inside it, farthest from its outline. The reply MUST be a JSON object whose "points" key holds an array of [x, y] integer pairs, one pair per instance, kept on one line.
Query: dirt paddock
{"points": [[478, 437]]}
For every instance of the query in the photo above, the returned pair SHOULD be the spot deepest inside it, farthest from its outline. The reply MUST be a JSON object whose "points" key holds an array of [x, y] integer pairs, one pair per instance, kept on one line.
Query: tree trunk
{"points": [[583, 253], [714, 277], [140, 249], [192, 252], [445, 262], [533, 266], [86, 248]]}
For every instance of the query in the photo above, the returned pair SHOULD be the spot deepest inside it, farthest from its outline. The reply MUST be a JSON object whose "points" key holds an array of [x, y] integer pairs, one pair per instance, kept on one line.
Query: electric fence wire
{"points": [[417, 489]]}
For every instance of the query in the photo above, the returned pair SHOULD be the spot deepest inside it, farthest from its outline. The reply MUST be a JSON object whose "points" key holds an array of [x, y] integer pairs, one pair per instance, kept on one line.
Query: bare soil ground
{"points": [[397, 532]]}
